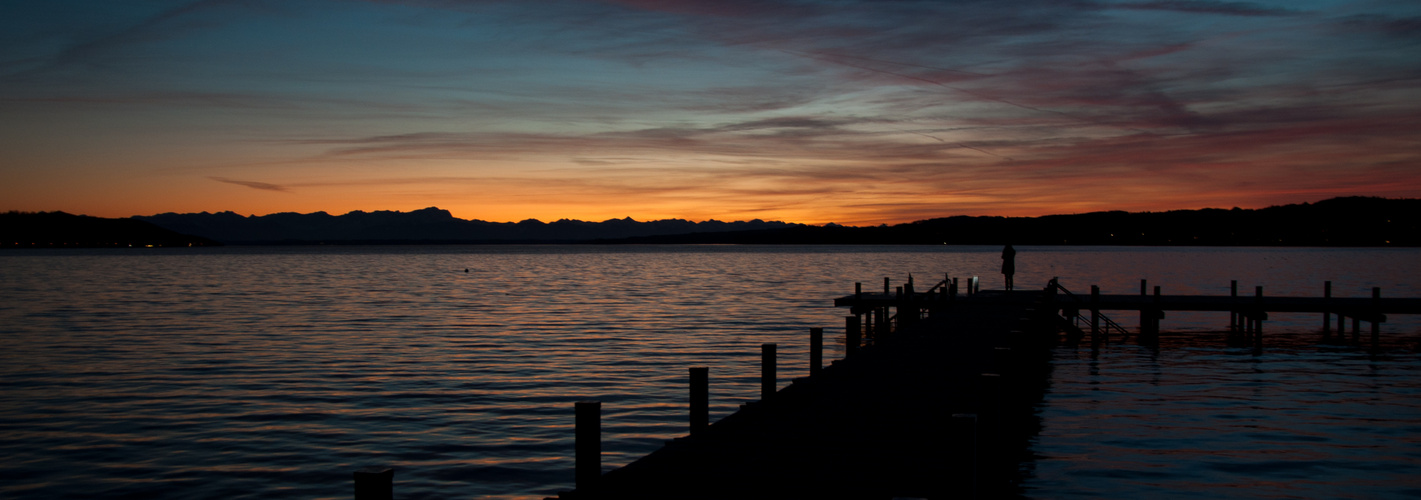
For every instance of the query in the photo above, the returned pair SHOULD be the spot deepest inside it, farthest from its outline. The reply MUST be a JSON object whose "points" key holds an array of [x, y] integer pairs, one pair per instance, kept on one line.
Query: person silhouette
{"points": [[1008, 263]]}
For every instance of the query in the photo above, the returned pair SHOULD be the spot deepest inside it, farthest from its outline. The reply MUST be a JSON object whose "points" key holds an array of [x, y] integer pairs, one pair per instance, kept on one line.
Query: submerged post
{"points": [[852, 335], [816, 350], [700, 399], [588, 443], [375, 483], [767, 371]]}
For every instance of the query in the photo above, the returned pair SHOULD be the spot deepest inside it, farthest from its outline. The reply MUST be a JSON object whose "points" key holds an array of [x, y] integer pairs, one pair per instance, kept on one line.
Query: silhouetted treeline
{"points": [[1354, 221], [428, 226], [62, 230]]}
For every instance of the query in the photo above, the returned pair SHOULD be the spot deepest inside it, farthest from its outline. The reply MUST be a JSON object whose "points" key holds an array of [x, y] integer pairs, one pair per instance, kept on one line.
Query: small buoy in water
{"points": [[466, 269]]}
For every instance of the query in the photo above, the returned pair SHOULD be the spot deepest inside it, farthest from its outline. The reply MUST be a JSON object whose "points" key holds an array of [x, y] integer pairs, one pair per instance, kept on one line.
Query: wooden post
{"points": [[853, 335], [1326, 316], [1258, 319], [1158, 313], [1094, 314], [588, 443], [816, 350], [1233, 313], [954, 287], [858, 290], [1144, 314], [375, 483], [1377, 319], [885, 286], [700, 399], [767, 371]]}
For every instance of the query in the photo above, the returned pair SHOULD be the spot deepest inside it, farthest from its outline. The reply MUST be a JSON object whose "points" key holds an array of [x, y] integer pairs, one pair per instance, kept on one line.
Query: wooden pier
{"points": [[939, 407], [933, 399]]}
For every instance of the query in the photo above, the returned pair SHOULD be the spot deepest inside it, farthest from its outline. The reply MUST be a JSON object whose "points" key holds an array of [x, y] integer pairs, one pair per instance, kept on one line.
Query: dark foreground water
{"points": [[276, 372]]}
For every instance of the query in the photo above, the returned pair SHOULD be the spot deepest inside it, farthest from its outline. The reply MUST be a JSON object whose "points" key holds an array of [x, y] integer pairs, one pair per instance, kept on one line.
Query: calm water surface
{"points": [[275, 372]]}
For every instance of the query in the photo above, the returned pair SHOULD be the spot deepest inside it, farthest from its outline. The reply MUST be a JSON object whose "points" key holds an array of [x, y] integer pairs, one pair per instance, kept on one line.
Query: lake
{"points": [[274, 372]]}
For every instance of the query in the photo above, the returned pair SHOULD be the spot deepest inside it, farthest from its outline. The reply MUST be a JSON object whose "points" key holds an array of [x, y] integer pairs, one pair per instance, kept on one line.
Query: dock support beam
{"points": [[700, 399], [375, 483], [588, 444], [767, 371], [816, 350]]}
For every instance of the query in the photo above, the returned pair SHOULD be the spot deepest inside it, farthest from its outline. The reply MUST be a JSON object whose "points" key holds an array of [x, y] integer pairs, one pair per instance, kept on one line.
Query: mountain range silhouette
{"points": [[1351, 221]]}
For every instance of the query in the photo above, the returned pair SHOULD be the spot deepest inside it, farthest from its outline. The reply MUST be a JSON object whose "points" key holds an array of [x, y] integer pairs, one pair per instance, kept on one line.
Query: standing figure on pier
{"points": [[1009, 263]]}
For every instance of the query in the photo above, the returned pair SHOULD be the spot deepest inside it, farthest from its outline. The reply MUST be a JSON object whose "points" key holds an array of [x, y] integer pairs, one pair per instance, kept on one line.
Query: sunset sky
{"points": [[856, 112]]}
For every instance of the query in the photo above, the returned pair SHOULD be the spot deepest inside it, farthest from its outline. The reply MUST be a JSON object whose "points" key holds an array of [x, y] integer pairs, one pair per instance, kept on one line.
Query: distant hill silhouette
{"points": [[62, 230], [1353, 221], [429, 225]]}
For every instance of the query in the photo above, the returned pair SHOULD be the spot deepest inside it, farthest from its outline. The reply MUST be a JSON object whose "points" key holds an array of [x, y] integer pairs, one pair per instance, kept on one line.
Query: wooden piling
{"points": [[1233, 314], [1377, 318], [1144, 314], [1095, 314], [853, 334], [858, 290], [700, 399], [375, 483], [588, 444], [816, 351], [1158, 314], [1258, 321], [885, 286], [767, 371], [1327, 316]]}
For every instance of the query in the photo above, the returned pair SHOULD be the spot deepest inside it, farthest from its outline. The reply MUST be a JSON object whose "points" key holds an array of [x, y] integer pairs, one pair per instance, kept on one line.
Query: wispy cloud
{"points": [[252, 184]]}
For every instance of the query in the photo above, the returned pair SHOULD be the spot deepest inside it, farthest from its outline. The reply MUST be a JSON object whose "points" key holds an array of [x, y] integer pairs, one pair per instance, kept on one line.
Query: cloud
{"points": [[1207, 7], [254, 185]]}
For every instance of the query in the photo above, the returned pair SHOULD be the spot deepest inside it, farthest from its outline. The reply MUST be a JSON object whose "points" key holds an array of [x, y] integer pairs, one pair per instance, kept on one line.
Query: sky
{"points": [[846, 111]]}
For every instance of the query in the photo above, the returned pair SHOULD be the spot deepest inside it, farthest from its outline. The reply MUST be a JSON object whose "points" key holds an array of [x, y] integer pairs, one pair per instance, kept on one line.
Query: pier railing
{"points": [[1097, 322]]}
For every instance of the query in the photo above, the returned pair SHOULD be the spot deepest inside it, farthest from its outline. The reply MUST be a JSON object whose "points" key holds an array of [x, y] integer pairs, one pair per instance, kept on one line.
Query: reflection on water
{"points": [[274, 373], [1199, 419]]}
